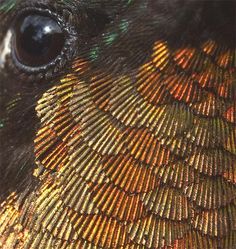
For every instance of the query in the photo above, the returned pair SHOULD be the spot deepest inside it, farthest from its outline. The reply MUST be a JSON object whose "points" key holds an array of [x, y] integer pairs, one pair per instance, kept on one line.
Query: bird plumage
{"points": [[133, 144]]}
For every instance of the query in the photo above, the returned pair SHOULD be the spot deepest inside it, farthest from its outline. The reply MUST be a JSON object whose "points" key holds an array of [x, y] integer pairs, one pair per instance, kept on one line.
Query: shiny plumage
{"points": [[134, 145]]}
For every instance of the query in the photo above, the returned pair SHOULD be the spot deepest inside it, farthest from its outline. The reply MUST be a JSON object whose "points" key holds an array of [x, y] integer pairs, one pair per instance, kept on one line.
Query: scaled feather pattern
{"points": [[136, 144]]}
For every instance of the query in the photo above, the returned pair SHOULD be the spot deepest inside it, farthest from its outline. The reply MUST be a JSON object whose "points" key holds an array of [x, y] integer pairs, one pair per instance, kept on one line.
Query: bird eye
{"points": [[42, 40], [37, 39]]}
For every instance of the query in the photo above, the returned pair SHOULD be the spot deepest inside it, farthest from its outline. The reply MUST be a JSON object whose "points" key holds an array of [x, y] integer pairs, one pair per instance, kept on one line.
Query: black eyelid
{"points": [[45, 11], [60, 60]]}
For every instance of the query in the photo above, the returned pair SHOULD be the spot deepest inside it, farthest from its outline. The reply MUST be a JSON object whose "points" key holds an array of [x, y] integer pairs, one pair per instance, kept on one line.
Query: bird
{"points": [[117, 124]]}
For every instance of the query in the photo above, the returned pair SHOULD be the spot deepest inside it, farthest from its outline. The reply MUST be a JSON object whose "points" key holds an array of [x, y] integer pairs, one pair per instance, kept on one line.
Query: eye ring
{"points": [[54, 65]]}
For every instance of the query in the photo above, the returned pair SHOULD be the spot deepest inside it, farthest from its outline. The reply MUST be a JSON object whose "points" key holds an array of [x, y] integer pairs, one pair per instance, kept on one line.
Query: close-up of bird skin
{"points": [[117, 124]]}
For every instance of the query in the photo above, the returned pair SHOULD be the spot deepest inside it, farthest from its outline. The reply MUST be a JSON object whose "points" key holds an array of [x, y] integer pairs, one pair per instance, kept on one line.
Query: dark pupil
{"points": [[38, 40]]}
